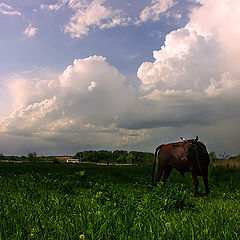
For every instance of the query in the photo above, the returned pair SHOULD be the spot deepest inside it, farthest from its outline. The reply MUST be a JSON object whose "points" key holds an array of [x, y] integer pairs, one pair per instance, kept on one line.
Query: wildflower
{"points": [[82, 236], [167, 224], [98, 212], [184, 219], [32, 230], [32, 235], [205, 230]]}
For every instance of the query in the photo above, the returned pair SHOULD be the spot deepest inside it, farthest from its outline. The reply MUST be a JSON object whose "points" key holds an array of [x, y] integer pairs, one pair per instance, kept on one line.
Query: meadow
{"points": [[86, 201]]}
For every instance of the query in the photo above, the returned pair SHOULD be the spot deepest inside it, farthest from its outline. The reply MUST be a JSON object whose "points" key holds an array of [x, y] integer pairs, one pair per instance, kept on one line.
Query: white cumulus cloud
{"points": [[195, 78], [80, 107]]}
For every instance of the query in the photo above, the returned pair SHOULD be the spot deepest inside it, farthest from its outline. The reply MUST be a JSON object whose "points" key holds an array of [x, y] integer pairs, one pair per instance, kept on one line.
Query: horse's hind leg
{"points": [[159, 175], [166, 174], [205, 180]]}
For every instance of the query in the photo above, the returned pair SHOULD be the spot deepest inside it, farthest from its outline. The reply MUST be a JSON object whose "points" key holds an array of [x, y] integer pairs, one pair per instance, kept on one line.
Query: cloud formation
{"points": [[81, 106], [30, 31], [89, 16], [154, 11], [191, 78], [92, 15], [8, 10], [55, 6], [191, 88]]}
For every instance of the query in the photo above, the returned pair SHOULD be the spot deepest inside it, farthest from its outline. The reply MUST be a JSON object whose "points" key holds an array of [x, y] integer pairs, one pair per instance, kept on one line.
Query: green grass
{"points": [[66, 201]]}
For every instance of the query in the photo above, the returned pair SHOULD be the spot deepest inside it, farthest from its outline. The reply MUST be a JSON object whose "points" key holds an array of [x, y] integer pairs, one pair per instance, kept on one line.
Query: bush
{"points": [[56, 161]]}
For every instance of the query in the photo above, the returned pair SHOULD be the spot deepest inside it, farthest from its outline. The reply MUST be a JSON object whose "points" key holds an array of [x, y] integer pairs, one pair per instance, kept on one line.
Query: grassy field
{"points": [[83, 201]]}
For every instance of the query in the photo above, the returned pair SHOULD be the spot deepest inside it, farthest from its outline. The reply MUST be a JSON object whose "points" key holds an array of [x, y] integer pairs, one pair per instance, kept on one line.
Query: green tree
{"points": [[119, 156], [213, 156], [32, 157], [84, 157], [23, 158], [130, 158]]}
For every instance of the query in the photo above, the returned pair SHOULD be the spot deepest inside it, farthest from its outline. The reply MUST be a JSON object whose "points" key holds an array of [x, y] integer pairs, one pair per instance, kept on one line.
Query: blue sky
{"points": [[107, 74]]}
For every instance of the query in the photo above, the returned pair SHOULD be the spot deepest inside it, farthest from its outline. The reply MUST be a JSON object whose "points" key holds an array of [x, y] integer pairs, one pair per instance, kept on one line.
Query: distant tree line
{"points": [[102, 156], [117, 156], [31, 157], [14, 158]]}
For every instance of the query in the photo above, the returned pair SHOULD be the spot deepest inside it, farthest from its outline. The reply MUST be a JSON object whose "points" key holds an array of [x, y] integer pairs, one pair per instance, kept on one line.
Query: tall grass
{"points": [[47, 201], [227, 163]]}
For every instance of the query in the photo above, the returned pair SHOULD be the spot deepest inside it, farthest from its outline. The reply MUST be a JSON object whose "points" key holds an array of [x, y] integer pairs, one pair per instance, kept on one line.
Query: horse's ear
{"points": [[185, 140], [196, 139]]}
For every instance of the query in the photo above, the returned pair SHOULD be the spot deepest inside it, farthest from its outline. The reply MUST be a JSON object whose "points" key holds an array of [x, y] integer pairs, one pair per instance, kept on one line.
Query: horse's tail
{"points": [[154, 163]]}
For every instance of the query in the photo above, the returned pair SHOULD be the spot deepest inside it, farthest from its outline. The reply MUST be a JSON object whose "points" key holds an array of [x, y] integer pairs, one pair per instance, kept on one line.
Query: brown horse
{"points": [[186, 156]]}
